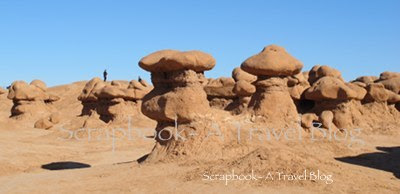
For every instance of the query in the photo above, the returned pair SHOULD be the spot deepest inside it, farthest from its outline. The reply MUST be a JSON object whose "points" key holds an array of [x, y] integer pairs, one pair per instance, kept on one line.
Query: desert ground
{"points": [[94, 137]]}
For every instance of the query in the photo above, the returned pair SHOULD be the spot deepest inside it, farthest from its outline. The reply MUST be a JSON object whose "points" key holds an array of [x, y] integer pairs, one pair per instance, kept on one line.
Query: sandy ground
{"points": [[109, 165]]}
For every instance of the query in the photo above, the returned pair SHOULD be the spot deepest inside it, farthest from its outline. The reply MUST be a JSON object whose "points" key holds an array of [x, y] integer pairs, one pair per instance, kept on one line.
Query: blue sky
{"points": [[66, 41]]}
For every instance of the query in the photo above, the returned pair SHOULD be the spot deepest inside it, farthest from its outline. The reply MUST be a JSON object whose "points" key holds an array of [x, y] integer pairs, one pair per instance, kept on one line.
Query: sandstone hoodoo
{"points": [[272, 99], [179, 103], [113, 101], [31, 101], [178, 81]]}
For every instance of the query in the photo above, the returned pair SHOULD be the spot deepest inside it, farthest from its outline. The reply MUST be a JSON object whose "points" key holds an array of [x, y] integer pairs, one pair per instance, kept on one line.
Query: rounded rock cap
{"points": [[238, 74], [173, 60], [273, 60]]}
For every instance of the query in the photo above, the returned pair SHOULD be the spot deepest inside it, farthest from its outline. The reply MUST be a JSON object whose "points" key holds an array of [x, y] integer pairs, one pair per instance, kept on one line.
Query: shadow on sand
{"points": [[64, 165], [388, 160]]}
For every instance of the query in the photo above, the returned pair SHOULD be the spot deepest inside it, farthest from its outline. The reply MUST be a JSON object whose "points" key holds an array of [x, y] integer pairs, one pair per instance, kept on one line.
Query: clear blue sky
{"points": [[69, 40]]}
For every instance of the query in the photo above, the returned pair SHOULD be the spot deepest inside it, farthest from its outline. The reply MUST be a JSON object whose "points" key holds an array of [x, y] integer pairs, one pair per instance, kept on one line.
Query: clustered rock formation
{"points": [[115, 100], [269, 86], [31, 100]]}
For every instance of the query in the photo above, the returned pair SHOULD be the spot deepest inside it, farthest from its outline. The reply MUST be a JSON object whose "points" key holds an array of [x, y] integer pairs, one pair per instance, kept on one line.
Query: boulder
{"points": [[296, 92], [360, 91], [376, 92], [273, 60], [326, 119], [367, 79], [88, 91], [308, 119], [330, 88], [389, 75], [360, 84], [392, 84], [239, 75], [317, 72], [40, 84], [55, 118], [393, 98], [297, 85], [244, 88], [43, 124]]}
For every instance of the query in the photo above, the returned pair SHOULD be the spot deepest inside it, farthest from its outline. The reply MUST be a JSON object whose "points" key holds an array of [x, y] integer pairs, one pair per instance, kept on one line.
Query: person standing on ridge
{"points": [[105, 75]]}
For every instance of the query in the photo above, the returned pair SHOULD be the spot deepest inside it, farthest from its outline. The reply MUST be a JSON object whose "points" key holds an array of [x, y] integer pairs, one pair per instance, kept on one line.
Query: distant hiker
{"points": [[140, 79], [105, 75]]}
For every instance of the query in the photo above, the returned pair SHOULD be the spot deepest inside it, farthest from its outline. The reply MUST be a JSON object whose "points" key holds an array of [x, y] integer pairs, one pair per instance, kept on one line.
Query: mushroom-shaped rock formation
{"points": [[330, 93], [272, 99], [178, 81], [30, 100], [114, 100], [179, 104], [273, 60], [220, 92]]}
